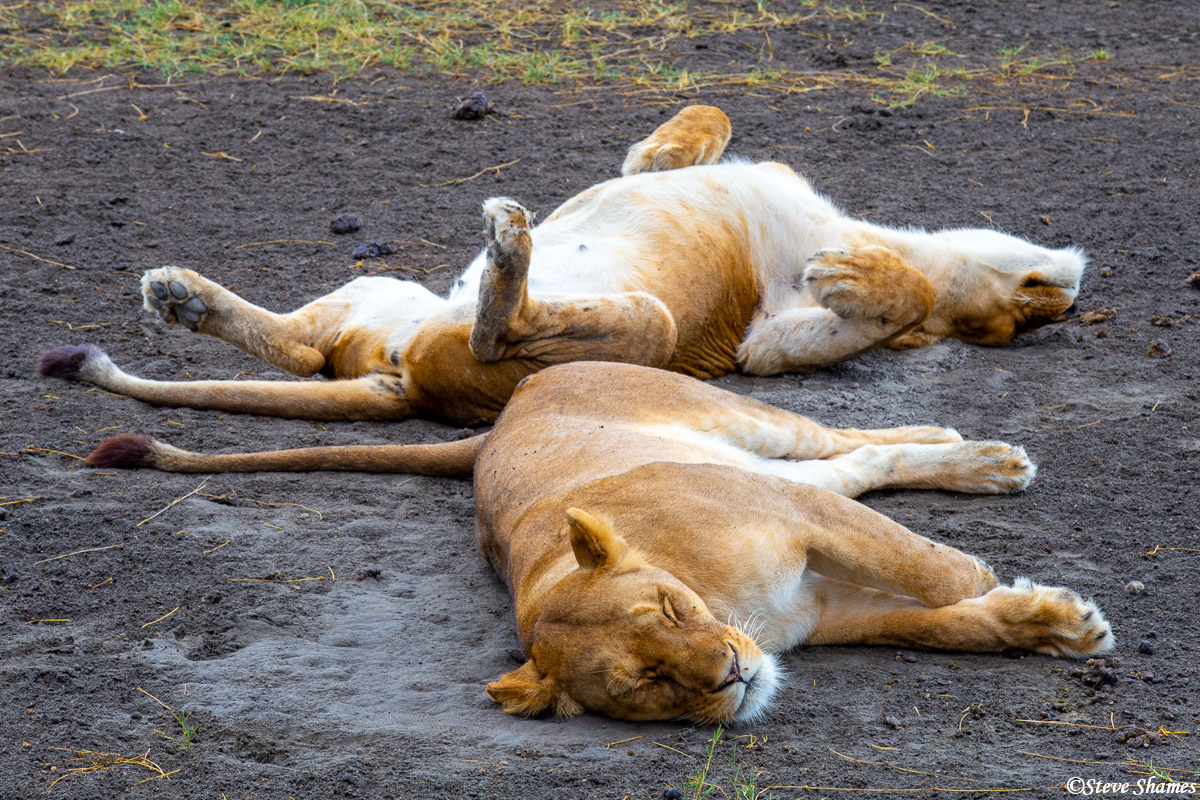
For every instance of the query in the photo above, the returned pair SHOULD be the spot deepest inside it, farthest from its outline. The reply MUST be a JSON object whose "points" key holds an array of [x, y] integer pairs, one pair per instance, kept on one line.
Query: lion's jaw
{"points": [[620, 637]]}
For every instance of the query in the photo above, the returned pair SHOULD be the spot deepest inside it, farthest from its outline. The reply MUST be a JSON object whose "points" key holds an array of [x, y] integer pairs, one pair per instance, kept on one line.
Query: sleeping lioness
{"points": [[685, 264], [661, 537]]}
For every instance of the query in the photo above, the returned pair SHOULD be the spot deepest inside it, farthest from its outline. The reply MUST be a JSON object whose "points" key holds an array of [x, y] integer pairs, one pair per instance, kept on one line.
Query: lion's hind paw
{"points": [[175, 295], [1051, 619]]}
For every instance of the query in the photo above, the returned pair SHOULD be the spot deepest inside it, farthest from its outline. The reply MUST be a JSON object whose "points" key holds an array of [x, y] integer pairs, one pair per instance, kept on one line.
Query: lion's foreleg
{"points": [[1045, 619]]}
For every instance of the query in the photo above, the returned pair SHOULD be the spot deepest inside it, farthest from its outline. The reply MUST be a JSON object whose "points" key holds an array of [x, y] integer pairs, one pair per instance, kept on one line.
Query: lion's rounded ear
{"points": [[596, 544], [527, 692]]}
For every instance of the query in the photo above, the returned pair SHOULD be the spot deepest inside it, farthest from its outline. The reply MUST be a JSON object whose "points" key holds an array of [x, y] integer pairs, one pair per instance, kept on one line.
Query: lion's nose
{"points": [[735, 673], [1072, 311]]}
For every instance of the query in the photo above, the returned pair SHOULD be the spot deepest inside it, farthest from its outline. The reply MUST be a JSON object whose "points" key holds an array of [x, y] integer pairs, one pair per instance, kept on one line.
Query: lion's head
{"points": [[620, 637], [998, 286]]}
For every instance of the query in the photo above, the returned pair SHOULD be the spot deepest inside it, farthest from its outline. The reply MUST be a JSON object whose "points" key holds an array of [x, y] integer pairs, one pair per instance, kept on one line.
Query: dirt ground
{"points": [[321, 685]]}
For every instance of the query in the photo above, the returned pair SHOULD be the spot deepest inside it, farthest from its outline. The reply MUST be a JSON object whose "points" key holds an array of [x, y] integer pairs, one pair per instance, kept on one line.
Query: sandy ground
{"points": [[336, 687]]}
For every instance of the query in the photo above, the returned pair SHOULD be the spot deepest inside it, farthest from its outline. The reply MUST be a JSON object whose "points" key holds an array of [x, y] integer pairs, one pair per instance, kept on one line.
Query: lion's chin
{"points": [[759, 692]]}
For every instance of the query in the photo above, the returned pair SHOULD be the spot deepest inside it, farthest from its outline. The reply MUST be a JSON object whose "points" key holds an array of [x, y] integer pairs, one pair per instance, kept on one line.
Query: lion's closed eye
{"points": [[668, 610]]}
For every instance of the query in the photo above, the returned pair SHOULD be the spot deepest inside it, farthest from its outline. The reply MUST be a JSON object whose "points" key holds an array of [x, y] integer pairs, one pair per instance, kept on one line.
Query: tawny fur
{"points": [[682, 263], [662, 537]]}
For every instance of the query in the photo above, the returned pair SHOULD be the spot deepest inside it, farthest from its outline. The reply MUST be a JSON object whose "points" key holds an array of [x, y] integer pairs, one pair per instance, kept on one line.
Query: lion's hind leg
{"points": [[185, 297], [974, 467], [632, 327], [696, 135], [1044, 619]]}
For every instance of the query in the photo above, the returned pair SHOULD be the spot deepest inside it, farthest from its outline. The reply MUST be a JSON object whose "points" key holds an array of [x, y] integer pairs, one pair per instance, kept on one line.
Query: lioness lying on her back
{"points": [[659, 534], [683, 264]]}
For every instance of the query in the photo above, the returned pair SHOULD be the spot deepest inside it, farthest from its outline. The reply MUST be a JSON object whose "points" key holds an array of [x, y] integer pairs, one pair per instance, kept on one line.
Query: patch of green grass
{"points": [[539, 41], [189, 731], [700, 785], [1100, 54], [634, 42]]}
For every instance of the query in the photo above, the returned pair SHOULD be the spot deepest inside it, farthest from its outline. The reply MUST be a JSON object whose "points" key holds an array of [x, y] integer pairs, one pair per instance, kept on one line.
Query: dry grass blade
{"points": [[93, 761], [174, 502]]}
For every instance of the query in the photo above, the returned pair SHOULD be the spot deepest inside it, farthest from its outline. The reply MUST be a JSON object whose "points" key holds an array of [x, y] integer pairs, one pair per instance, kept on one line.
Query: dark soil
{"points": [[373, 688]]}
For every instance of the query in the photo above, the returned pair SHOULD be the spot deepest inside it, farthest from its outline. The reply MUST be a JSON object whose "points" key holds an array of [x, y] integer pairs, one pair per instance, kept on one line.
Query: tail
{"points": [[374, 397], [449, 459]]}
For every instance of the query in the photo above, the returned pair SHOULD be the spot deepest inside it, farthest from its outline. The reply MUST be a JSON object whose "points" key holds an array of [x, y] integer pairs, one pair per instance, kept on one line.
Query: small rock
{"points": [[1147, 647], [363, 574], [1158, 349], [1195, 280], [1151, 634], [894, 722], [911, 658], [10, 577], [80, 493], [1098, 315], [672, 794], [372, 250], [477, 106], [64, 240], [345, 223], [1135, 587], [1102, 334], [1162, 322], [1106, 272]]}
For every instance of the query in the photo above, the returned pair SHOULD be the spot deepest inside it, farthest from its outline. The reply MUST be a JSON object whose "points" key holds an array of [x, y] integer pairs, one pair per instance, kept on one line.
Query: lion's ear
{"points": [[596, 544], [527, 692]]}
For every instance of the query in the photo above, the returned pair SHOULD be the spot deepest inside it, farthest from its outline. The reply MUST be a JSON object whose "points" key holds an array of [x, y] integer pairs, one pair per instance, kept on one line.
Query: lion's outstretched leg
{"points": [[976, 467], [1045, 619], [186, 297], [696, 135], [634, 327], [867, 297]]}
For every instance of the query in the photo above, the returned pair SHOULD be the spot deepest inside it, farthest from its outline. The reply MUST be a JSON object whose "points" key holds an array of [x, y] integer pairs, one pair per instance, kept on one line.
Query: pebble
{"points": [[672, 794], [894, 722], [345, 223], [1135, 587], [1151, 634], [10, 577], [1146, 646], [372, 250]]}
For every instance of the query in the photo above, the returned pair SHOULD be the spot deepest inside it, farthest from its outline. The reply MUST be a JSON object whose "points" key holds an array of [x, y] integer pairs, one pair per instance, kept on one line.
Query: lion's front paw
{"points": [[176, 295], [869, 283], [696, 135], [1049, 619]]}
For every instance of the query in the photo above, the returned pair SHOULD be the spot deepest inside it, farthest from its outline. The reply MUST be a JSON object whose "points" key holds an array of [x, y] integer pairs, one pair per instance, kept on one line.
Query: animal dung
{"points": [[372, 250], [345, 223], [477, 106]]}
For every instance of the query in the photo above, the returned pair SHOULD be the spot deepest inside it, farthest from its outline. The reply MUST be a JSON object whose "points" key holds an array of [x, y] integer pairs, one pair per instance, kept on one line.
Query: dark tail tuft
{"points": [[65, 362], [129, 450]]}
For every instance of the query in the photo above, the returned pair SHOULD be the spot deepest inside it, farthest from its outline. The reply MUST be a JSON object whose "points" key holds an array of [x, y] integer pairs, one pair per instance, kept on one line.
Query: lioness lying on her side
{"points": [[684, 264], [659, 534]]}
